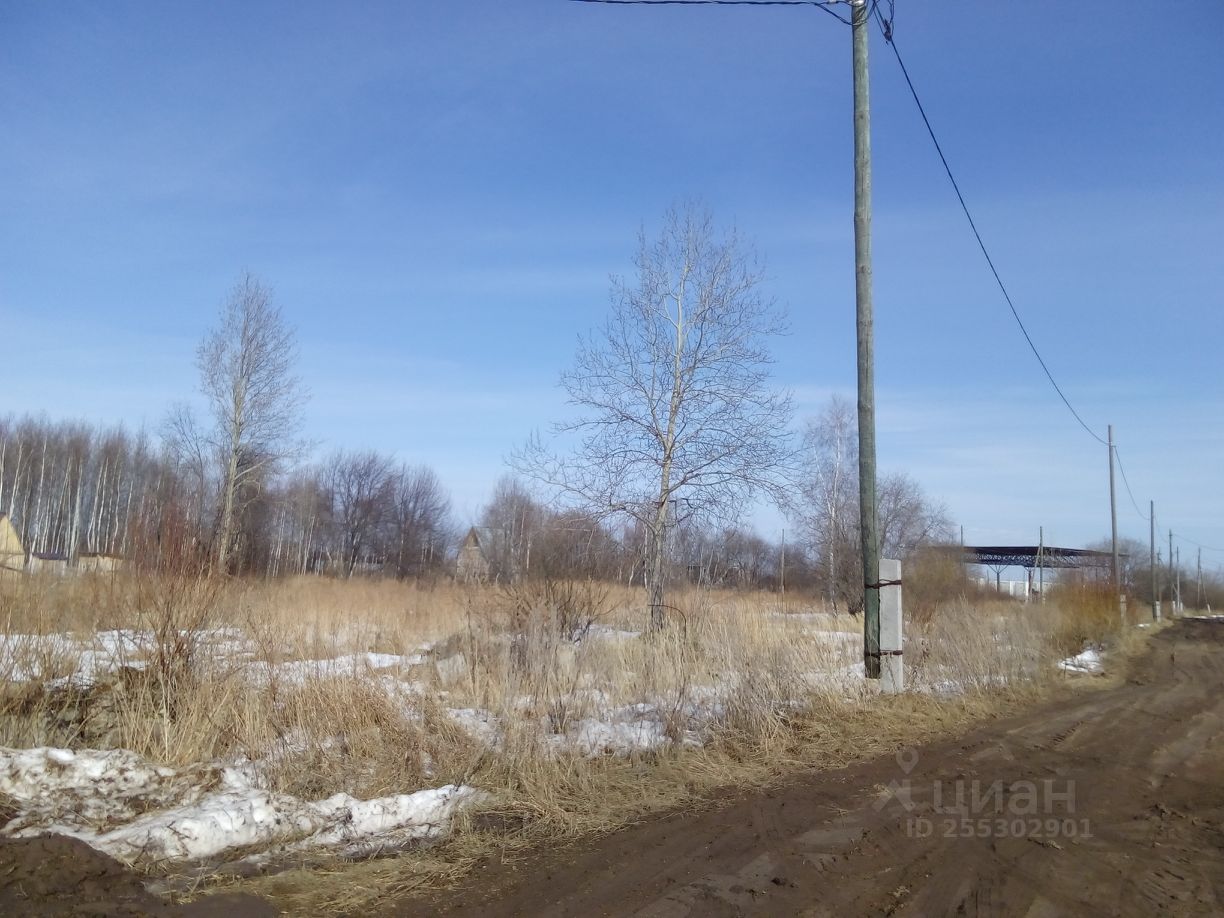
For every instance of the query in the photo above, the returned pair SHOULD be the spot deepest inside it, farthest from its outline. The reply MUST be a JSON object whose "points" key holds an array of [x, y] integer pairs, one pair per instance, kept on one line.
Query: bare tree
{"points": [[676, 413], [362, 489], [827, 505], [420, 512], [514, 519], [908, 519], [192, 451], [828, 500], [246, 372]]}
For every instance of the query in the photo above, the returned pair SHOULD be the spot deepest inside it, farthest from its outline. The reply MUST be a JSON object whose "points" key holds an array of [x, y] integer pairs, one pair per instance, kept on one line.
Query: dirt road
{"points": [[1109, 803]]}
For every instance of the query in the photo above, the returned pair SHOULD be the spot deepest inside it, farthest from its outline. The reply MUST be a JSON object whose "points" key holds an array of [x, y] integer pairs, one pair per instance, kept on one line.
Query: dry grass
{"points": [[738, 692]]}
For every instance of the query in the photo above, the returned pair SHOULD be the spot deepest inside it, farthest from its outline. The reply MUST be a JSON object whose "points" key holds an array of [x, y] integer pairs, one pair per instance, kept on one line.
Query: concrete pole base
{"points": [[892, 663]]}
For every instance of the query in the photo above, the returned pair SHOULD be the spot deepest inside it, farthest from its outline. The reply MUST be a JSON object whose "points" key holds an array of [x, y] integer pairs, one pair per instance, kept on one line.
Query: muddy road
{"points": [[1107, 803]]}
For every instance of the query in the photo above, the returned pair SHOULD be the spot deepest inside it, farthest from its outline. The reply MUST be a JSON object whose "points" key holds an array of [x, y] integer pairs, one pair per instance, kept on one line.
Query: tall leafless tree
{"points": [[362, 488], [246, 366], [827, 505], [828, 489], [909, 520], [420, 520], [676, 414], [514, 520]]}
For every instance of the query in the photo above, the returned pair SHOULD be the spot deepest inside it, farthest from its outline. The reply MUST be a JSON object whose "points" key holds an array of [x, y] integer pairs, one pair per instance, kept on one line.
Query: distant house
{"points": [[47, 562], [491, 554], [475, 561], [99, 563], [12, 554]]}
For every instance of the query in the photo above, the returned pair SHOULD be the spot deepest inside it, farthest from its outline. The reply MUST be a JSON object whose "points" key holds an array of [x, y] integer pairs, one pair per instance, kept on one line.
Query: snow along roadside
{"points": [[133, 810]]}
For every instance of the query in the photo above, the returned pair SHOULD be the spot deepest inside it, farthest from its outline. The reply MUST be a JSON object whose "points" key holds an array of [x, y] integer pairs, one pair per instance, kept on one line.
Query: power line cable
{"points": [[886, 27], [1129, 492], [822, 5], [1178, 535]]}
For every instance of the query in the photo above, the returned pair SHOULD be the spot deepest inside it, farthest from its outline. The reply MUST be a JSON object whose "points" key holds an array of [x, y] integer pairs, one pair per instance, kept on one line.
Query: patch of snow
{"points": [[296, 672], [424, 814], [127, 807], [608, 633], [478, 723], [90, 787], [849, 678], [62, 660], [1089, 661], [592, 738]]}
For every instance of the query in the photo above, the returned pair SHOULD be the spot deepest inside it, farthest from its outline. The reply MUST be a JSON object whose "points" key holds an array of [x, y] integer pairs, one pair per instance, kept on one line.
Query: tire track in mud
{"points": [[1109, 803]]}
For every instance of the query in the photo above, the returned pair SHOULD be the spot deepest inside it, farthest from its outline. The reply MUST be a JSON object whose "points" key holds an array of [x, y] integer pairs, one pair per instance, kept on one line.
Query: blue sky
{"points": [[438, 193]]}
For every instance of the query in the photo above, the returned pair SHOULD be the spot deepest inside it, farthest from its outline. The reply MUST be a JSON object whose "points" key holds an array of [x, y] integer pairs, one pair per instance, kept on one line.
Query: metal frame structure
{"points": [[1033, 556]]}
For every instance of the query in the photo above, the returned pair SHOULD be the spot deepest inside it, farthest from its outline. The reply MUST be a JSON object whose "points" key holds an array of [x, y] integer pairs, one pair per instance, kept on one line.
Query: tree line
{"points": [[71, 488]]}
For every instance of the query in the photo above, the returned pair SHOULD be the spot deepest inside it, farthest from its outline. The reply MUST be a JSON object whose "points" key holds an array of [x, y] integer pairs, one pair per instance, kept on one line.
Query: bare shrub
{"points": [[980, 647], [568, 607], [934, 577], [1088, 616]]}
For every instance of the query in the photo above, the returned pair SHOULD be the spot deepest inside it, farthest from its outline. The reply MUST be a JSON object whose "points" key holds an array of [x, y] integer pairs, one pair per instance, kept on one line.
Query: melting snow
{"points": [[297, 672], [123, 805], [62, 660], [1089, 661], [608, 633], [592, 738]]}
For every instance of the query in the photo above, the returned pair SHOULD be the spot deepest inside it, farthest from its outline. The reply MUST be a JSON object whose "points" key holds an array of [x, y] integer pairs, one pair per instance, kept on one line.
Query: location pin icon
{"points": [[907, 758]]}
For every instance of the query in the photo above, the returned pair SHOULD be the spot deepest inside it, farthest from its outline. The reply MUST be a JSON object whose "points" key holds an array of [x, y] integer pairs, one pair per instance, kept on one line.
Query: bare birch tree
{"points": [[676, 414], [827, 505], [246, 369]]}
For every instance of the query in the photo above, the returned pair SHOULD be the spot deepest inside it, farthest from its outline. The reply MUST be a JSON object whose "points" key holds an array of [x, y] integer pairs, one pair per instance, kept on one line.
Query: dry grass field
{"points": [[545, 702]]}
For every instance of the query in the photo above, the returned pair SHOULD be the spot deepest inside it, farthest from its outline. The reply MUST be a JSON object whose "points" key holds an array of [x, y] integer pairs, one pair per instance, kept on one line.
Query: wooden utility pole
{"points": [[1155, 595], [859, 29], [1113, 525], [1172, 599]]}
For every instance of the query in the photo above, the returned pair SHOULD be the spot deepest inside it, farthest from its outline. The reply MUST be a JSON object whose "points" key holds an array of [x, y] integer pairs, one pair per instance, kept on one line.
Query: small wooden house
{"points": [[475, 561], [12, 554]]}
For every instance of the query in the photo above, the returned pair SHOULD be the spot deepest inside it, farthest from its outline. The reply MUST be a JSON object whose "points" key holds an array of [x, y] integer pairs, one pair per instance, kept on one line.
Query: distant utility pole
{"points": [[1198, 599], [1041, 562], [1113, 523], [1155, 595], [1172, 596], [1177, 581], [859, 20]]}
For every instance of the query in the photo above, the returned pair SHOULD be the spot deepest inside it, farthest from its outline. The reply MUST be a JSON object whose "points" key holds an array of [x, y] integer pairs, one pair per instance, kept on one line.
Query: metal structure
{"points": [[1034, 556]]}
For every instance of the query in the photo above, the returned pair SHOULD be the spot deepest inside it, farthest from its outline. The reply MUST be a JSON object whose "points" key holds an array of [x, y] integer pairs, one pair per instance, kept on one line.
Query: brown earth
{"points": [[1106, 803], [58, 875]]}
